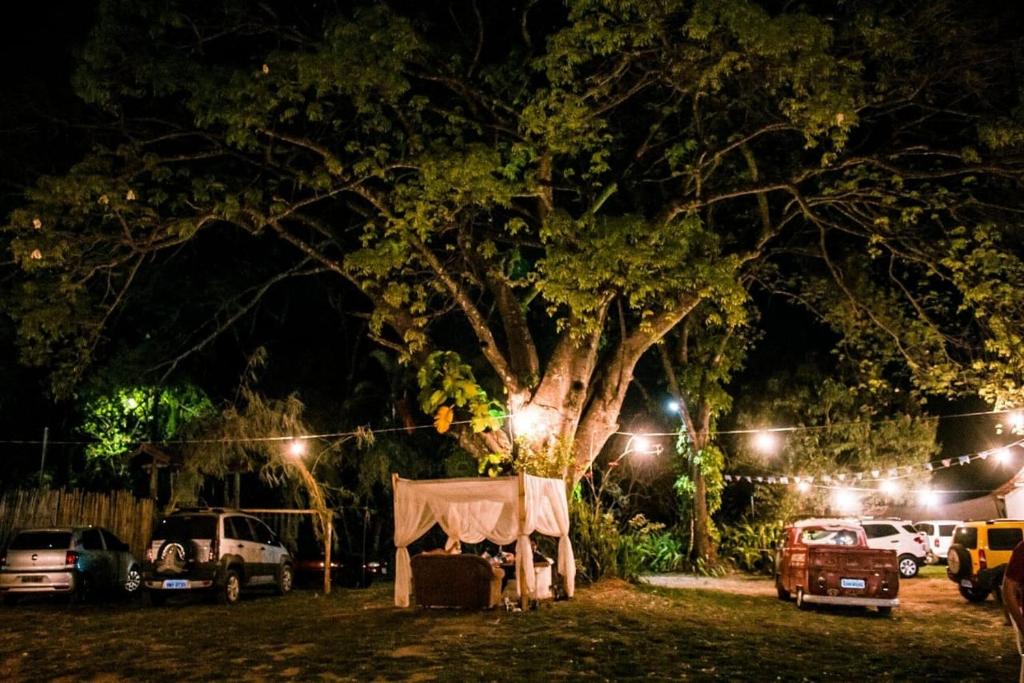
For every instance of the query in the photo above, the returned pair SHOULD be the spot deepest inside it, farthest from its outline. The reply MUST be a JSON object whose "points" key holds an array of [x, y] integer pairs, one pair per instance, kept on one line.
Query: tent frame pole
{"points": [[524, 598]]}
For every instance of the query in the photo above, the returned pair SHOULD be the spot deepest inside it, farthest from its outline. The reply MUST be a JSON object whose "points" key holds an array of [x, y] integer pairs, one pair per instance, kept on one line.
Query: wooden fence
{"points": [[130, 518]]}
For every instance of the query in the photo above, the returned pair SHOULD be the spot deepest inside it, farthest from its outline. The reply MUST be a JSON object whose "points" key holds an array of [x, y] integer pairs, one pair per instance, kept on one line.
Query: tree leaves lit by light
{"points": [[121, 419], [443, 419]]}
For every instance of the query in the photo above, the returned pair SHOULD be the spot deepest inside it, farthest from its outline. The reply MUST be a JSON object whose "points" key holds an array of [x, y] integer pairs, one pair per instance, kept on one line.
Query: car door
{"points": [[882, 536], [95, 562], [120, 557], [238, 538], [270, 549]]}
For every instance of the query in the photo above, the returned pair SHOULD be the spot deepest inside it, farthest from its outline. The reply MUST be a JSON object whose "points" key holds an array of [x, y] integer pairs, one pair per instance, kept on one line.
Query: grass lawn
{"points": [[610, 631]]}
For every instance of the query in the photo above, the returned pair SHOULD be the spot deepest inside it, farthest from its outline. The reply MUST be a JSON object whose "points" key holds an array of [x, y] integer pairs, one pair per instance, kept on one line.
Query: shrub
{"points": [[596, 540], [751, 547]]}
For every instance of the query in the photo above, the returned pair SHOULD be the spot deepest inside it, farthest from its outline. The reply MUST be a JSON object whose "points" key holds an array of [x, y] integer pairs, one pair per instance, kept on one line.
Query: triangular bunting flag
{"points": [[964, 459]]}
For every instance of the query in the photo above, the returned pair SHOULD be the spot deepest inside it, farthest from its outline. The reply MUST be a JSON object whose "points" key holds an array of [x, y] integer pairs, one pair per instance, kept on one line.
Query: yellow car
{"points": [[979, 553]]}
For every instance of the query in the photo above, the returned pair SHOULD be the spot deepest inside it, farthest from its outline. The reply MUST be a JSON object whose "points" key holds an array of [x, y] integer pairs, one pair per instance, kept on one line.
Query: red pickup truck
{"points": [[828, 561]]}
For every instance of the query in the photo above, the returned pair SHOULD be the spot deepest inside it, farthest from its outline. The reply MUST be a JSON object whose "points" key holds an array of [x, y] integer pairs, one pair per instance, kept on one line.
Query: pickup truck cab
{"points": [[828, 561]]}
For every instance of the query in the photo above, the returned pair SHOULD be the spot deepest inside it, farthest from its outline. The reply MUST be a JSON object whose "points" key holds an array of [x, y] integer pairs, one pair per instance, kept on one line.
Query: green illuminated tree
{"points": [[550, 191], [121, 419]]}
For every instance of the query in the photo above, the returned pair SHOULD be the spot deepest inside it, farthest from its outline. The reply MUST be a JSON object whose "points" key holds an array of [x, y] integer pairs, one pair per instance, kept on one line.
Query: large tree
{"points": [[548, 191]]}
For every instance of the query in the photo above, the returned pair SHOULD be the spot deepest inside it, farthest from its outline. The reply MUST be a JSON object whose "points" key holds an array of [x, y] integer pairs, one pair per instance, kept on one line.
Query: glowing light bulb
{"points": [[846, 501], [928, 498], [766, 442], [889, 487], [528, 423], [1016, 420], [803, 487], [673, 406], [297, 448], [641, 444], [1003, 455]]}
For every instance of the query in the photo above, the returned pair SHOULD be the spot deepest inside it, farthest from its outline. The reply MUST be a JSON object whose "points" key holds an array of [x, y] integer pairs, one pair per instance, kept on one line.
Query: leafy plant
{"points": [[595, 537], [751, 546]]}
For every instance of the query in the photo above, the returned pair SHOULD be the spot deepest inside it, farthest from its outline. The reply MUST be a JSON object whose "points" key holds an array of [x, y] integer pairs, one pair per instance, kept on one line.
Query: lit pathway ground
{"points": [[738, 585]]}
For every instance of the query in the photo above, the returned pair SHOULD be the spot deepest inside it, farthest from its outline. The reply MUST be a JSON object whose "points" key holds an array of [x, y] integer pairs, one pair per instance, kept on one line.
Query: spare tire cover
{"points": [[958, 562], [174, 556]]}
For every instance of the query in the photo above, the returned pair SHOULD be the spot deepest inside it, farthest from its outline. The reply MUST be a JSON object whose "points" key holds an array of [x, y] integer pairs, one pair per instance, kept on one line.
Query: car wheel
{"points": [[800, 599], [155, 598], [958, 563], [780, 591], [885, 611], [284, 579], [974, 594], [133, 581], [229, 593], [908, 566]]}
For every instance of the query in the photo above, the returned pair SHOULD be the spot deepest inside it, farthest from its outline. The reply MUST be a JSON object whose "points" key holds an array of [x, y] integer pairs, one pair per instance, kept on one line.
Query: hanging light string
{"points": [[387, 430], [877, 474], [833, 425], [291, 437]]}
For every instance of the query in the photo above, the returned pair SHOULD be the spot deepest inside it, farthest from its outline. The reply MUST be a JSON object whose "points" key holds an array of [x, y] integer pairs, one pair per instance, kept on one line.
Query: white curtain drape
{"points": [[472, 510]]}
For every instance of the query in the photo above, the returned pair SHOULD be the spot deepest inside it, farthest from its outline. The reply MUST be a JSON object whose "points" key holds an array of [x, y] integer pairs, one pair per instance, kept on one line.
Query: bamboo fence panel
{"points": [[130, 518]]}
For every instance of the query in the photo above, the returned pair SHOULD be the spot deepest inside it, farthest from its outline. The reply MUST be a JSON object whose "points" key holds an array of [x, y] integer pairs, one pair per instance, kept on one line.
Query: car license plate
{"points": [[966, 583], [175, 583], [31, 579], [852, 583]]}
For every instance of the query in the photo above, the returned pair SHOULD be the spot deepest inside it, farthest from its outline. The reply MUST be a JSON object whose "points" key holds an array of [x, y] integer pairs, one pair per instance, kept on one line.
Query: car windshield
{"points": [[187, 526], [817, 536], [41, 540]]}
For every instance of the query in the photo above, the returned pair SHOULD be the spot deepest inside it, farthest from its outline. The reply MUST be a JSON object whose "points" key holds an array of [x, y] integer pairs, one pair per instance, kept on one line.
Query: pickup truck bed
{"points": [[851, 576]]}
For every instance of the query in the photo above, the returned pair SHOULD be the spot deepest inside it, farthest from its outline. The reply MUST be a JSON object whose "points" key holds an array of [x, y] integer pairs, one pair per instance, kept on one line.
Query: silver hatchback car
{"points": [[74, 561]]}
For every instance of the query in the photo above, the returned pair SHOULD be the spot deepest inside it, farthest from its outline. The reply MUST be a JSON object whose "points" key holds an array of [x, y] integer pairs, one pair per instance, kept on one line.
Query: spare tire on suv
{"points": [[958, 562], [214, 550]]}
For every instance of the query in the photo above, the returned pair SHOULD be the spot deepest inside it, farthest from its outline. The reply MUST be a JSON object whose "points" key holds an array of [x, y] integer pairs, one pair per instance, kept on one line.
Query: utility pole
{"points": [[42, 457]]}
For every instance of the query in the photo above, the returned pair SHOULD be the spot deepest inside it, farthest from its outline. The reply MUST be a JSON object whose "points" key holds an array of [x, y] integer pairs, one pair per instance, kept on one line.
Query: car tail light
{"points": [[149, 554], [918, 539], [936, 543], [982, 560], [214, 551], [70, 558], [3, 560]]}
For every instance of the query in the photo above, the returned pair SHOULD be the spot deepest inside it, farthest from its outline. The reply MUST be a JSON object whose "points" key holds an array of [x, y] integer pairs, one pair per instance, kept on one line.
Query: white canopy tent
{"points": [[500, 509]]}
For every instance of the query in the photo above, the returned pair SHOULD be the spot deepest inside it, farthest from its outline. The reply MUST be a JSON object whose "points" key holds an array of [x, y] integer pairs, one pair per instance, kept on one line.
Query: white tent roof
{"points": [[499, 509]]}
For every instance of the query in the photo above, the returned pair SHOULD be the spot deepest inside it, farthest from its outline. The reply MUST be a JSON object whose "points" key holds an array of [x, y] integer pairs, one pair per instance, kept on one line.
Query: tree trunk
{"points": [[703, 547]]}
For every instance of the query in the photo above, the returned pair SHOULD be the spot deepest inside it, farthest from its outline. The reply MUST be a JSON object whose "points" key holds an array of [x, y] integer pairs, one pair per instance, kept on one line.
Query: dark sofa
{"points": [[468, 581]]}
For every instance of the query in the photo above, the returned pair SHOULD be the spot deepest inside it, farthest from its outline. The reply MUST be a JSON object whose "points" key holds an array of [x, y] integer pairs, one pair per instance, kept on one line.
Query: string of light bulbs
{"points": [[892, 474], [1017, 424]]}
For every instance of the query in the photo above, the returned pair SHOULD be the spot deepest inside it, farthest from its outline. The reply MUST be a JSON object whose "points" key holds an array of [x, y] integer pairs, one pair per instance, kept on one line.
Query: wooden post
{"points": [[154, 480], [328, 542], [524, 598], [238, 489]]}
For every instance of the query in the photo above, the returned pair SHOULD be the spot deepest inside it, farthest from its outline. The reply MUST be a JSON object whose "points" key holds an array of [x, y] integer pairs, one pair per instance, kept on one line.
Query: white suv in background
{"points": [[901, 536], [940, 535], [214, 550]]}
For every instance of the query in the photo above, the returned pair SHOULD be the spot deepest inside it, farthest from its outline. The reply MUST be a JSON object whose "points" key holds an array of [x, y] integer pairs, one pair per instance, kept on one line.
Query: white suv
{"points": [[214, 550], [901, 536], [940, 534]]}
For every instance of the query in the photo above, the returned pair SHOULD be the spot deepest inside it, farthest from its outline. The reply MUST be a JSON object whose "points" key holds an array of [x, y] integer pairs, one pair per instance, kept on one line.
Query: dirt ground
{"points": [[725, 629], [929, 592]]}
